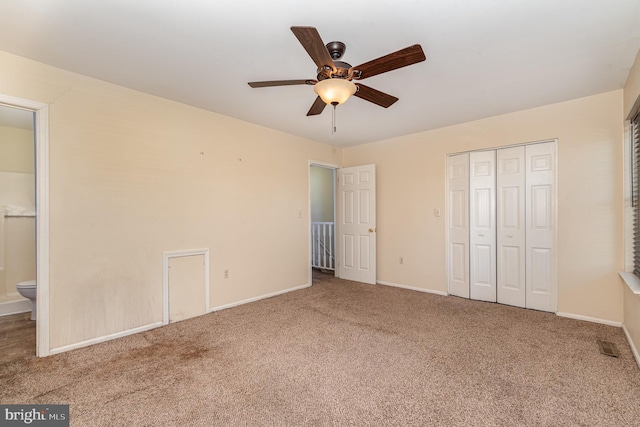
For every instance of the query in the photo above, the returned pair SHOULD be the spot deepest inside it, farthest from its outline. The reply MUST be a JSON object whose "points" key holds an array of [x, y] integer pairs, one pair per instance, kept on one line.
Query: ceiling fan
{"points": [[334, 82]]}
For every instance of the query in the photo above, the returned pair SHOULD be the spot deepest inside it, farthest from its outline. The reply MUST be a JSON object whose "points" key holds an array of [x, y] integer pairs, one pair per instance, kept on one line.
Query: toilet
{"points": [[28, 290]]}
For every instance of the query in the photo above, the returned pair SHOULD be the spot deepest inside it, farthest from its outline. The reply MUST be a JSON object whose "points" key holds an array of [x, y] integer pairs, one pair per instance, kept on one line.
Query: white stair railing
{"points": [[322, 244]]}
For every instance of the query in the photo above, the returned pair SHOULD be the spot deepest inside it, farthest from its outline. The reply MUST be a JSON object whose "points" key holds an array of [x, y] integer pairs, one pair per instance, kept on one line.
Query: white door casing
{"points": [[458, 224], [540, 245], [482, 225], [356, 223], [510, 176]]}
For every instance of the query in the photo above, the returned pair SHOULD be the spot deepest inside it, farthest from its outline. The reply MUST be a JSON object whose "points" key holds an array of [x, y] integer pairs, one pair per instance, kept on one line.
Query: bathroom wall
{"points": [[20, 253], [17, 209], [17, 185], [16, 148]]}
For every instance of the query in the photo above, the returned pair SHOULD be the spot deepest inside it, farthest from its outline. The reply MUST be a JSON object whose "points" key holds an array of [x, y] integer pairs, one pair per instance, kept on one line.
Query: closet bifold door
{"points": [[511, 227], [458, 224], [482, 225], [540, 217]]}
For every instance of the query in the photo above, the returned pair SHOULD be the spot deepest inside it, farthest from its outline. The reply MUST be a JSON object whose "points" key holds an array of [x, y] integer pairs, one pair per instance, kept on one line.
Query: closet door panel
{"points": [[511, 226], [540, 245], [458, 224], [482, 225]]}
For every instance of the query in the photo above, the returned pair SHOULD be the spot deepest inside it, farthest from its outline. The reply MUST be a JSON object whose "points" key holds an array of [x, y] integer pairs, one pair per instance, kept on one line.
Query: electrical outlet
{"points": [[226, 273], [401, 260]]}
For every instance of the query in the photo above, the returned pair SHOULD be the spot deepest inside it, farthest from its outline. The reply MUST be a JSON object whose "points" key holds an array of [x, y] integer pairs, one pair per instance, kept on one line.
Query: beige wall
{"points": [[411, 184], [631, 301], [322, 191], [133, 175], [16, 150]]}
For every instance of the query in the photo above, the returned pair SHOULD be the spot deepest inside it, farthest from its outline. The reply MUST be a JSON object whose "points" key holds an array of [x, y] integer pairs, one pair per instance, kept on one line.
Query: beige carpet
{"points": [[343, 353]]}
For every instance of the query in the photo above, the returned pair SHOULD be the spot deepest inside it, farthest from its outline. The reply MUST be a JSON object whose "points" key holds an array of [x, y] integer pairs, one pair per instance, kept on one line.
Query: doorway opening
{"points": [[17, 234], [322, 212], [25, 211], [353, 192]]}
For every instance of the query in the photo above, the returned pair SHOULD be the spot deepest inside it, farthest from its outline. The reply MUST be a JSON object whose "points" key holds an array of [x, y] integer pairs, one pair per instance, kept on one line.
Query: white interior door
{"points": [[356, 223], [458, 224], [187, 287], [540, 245], [482, 225], [510, 193]]}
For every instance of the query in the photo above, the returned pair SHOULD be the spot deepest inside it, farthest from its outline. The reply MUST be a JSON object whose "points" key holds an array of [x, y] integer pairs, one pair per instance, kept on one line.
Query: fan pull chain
{"points": [[333, 120]]}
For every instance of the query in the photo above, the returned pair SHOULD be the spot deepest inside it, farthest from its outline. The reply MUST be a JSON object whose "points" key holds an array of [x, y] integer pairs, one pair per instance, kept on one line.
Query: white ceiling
{"points": [[484, 57]]}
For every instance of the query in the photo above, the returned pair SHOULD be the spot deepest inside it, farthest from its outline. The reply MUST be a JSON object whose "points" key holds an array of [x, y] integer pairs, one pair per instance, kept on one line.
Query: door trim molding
{"points": [[41, 133]]}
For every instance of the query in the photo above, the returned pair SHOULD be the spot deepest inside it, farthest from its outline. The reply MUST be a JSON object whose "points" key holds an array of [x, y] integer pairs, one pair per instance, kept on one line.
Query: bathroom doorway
{"points": [[17, 232], [24, 223]]}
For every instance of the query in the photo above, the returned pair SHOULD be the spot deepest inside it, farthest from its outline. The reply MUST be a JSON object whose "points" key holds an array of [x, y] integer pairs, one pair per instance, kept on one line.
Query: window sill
{"points": [[632, 281]]}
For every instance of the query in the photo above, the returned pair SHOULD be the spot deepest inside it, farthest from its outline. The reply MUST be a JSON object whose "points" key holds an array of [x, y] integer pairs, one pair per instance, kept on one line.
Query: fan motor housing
{"points": [[336, 49], [342, 71]]}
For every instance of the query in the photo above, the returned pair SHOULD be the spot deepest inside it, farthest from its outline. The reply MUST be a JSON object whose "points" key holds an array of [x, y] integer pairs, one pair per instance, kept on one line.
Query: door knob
{"points": [[371, 230], [481, 235], [509, 235]]}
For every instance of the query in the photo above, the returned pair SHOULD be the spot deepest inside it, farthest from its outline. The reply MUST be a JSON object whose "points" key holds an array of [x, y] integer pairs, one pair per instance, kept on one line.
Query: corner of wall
{"points": [[632, 89]]}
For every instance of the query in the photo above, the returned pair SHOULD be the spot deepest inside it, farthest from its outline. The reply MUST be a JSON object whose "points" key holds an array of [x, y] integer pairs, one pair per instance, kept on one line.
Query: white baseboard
{"points": [[411, 288], [634, 350], [590, 319], [258, 298], [15, 307], [158, 324], [104, 338]]}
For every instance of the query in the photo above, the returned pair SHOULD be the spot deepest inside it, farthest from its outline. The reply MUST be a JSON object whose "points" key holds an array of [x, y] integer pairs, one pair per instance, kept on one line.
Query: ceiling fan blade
{"points": [[282, 83], [310, 39], [317, 107], [401, 58], [373, 95]]}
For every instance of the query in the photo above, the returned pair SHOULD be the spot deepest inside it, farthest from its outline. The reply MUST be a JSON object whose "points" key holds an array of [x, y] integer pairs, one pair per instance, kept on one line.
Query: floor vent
{"points": [[608, 348]]}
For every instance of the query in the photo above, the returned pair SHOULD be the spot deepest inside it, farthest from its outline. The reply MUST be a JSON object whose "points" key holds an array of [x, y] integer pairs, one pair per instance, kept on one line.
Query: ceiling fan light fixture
{"points": [[335, 91]]}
